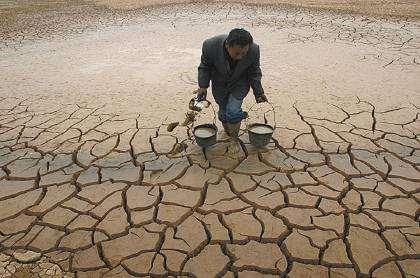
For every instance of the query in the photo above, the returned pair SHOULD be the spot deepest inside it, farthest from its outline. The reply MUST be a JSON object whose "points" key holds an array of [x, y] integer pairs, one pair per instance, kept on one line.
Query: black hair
{"points": [[239, 36]]}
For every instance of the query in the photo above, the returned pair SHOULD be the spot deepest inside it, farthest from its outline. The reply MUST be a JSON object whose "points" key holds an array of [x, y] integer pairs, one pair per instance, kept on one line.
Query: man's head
{"points": [[238, 42]]}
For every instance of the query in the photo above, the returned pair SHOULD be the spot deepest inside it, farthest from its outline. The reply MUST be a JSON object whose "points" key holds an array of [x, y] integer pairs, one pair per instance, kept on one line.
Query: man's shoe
{"points": [[234, 130], [226, 127], [233, 149]]}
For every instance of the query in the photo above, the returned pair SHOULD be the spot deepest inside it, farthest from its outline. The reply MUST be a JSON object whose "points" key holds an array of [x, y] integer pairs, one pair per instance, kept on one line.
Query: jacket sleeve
{"points": [[204, 68], [255, 74]]}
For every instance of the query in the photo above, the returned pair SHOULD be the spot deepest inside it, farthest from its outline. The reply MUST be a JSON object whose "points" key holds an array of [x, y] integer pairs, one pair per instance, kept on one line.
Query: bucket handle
{"points": [[214, 116], [212, 107], [273, 110]]}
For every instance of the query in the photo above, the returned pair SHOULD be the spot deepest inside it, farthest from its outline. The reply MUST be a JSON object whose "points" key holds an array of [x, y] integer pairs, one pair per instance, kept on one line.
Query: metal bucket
{"points": [[205, 135], [260, 134]]}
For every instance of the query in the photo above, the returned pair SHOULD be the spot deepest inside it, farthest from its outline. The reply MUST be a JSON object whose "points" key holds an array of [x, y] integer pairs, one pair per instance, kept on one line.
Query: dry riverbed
{"points": [[92, 184]]}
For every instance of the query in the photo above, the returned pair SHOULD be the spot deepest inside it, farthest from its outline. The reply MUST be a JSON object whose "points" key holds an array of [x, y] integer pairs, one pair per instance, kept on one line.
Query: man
{"points": [[232, 64]]}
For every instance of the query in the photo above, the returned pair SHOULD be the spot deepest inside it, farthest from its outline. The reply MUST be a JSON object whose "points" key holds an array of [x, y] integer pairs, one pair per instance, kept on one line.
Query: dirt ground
{"points": [[93, 185], [409, 8]]}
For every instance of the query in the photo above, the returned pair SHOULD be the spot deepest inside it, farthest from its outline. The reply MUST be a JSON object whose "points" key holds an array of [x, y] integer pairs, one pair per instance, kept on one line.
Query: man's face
{"points": [[237, 52]]}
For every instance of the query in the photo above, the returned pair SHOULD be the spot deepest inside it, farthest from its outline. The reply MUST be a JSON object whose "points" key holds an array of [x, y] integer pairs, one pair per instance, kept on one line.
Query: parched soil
{"points": [[92, 183]]}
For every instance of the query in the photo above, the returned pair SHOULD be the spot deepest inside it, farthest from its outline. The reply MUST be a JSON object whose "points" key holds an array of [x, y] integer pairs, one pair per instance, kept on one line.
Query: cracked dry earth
{"points": [[92, 184]]}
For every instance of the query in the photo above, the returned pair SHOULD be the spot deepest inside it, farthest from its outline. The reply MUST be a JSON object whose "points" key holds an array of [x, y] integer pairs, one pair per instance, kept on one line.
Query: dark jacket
{"points": [[215, 67]]}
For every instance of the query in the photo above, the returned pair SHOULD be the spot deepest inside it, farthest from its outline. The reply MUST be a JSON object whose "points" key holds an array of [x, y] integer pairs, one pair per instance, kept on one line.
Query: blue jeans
{"points": [[230, 110]]}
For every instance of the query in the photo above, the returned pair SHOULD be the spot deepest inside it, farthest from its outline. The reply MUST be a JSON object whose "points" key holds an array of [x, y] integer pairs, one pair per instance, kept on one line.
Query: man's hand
{"points": [[261, 98], [201, 94]]}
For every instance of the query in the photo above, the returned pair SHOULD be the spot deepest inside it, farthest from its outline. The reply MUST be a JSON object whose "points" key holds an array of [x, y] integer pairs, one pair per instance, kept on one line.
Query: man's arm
{"points": [[255, 74], [204, 69]]}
